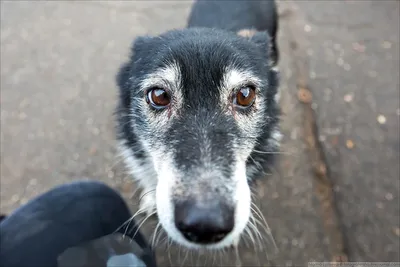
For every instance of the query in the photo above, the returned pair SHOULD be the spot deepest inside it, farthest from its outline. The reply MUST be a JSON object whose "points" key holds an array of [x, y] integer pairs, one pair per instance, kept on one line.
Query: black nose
{"points": [[204, 224]]}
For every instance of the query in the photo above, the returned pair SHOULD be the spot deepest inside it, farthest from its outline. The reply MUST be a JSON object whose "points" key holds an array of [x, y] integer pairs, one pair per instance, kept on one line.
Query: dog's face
{"points": [[195, 106]]}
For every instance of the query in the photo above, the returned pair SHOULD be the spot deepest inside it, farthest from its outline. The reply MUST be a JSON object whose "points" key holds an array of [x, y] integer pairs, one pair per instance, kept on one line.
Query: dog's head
{"points": [[198, 105]]}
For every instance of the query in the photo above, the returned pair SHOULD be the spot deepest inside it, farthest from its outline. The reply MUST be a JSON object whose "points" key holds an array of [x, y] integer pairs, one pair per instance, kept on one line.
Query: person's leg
{"points": [[35, 234]]}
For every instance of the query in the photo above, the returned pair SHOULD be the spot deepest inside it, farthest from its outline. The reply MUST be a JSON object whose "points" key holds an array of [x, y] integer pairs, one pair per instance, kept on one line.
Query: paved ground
{"points": [[58, 61], [353, 74]]}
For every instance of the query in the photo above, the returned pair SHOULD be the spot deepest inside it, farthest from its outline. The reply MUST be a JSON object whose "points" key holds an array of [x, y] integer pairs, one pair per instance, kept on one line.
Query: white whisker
{"points": [[238, 260], [140, 211], [184, 259], [155, 234], [143, 221], [272, 152], [265, 225], [169, 250]]}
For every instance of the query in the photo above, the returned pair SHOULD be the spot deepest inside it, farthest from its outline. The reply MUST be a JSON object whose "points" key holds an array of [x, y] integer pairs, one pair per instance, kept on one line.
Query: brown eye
{"points": [[245, 97], [158, 98]]}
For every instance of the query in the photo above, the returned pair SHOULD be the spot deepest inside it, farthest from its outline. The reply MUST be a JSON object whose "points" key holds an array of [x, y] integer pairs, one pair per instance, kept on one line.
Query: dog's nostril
{"points": [[190, 236], [205, 225], [219, 236]]}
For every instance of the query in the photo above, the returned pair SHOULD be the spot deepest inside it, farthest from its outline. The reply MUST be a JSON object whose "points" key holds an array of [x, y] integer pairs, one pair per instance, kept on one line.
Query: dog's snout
{"points": [[205, 224]]}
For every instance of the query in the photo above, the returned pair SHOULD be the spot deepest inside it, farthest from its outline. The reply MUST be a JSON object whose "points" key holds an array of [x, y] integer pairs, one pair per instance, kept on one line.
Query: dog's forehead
{"points": [[204, 66], [206, 62], [207, 67]]}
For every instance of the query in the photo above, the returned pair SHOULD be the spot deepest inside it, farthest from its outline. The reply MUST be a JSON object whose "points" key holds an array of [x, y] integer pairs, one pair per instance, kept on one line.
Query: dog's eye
{"points": [[158, 98], [245, 97]]}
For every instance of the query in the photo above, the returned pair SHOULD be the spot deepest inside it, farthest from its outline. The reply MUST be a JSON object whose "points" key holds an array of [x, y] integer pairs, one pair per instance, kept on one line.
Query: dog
{"points": [[198, 119], [241, 16]]}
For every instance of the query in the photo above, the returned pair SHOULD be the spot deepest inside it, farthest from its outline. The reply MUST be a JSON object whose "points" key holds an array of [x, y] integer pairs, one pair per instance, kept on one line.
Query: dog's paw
{"points": [[148, 203]]}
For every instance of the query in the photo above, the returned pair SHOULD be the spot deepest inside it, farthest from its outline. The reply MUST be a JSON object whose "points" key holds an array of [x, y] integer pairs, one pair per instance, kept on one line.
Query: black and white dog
{"points": [[198, 119]]}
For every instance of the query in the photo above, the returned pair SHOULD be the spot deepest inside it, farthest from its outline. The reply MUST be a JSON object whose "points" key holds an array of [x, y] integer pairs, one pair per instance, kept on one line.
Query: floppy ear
{"points": [[142, 44], [139, 49], [264, 41]]}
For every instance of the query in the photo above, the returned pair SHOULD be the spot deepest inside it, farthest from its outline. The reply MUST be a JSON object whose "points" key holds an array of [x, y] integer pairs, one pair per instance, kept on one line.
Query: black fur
{"points": [[203, 54], [236, 15], [197, 147]]}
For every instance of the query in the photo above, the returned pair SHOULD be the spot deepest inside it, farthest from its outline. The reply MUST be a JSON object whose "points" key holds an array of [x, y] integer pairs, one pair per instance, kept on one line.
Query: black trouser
{"points": [[67, 216]]}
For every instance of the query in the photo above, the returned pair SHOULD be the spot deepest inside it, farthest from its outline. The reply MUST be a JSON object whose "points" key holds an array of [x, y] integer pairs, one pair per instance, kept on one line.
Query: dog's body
{"points": [[237, 15], [197, 122]]}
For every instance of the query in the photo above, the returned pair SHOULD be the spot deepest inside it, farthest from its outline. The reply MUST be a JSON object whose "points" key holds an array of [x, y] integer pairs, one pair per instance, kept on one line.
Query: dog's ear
{"points": [[141, 44], [263, 40], [139, 49]]}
